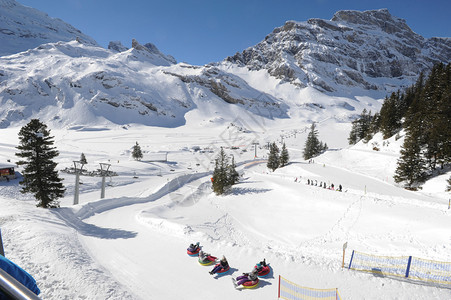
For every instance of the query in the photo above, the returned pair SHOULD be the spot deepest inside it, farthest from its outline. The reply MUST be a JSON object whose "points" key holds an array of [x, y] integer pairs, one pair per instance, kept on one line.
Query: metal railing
{"points": [[10, 286], [14, 289]]}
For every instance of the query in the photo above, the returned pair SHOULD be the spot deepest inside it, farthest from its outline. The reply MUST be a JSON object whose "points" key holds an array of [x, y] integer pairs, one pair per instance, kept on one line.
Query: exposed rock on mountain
{"points": [[357, 49], [356, 58], [23, 28], [117, 46], [151, 51], [79, 83]]}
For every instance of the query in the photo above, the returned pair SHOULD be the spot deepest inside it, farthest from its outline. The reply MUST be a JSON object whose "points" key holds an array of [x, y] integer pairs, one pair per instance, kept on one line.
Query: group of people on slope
{"points": [[252, 275], [224, 265], [324, 185]]}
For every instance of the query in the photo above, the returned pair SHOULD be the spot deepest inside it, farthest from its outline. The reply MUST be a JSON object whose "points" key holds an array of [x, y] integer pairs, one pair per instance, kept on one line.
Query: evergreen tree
{"points": [[220, 179], [390, 120], [136, 152], [411, 165], [448, 188], [273, 157], [232, 175], [373, 128], [39, 175], [284, 156], [83, 159], [312, 144]]}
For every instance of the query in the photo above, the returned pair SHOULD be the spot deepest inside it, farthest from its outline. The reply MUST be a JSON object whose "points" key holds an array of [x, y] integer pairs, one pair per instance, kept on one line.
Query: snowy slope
{"points": [[131, 245], [23, 28]]}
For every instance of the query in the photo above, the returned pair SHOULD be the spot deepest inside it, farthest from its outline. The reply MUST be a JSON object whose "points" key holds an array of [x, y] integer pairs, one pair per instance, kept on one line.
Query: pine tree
{"points": [[83, 159], [232, 175], [39, 175], [360, 127], [220, 179], [273, 157], [284, 156], [411, 165], [390, 120], [373, 128], [312, 144], [136, 152]]}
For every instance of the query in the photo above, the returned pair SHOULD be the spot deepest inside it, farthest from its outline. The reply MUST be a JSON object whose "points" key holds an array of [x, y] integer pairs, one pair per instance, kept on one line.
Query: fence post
{"points": [[279, 288], [408, 266], [350, 262], [2, 252]]}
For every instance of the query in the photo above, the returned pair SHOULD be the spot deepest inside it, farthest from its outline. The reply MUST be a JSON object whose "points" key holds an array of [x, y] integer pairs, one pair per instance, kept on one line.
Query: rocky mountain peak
{"points": [[151, 50], [362, 50], [117, 46], [380, 18]]}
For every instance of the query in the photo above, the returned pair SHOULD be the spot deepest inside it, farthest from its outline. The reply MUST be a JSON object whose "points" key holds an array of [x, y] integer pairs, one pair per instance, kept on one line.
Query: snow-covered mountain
{"points": [[371, 50], [23, 28], [298, 68], [75, 83]]}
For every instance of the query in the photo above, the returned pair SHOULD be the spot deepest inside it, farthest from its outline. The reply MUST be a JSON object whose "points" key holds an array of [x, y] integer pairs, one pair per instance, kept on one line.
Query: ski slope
{"points": [[132, 244]]}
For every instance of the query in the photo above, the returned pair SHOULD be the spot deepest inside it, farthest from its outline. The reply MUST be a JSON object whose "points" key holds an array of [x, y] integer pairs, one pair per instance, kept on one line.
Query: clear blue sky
{"points": [[203, 31]]}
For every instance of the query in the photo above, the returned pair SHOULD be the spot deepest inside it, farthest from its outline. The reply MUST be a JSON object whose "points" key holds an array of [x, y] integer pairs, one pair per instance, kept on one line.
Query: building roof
{"points": [[6, 165]]}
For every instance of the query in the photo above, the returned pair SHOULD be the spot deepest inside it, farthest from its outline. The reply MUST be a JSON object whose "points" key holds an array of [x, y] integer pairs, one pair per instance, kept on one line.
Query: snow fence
{"points": [[291, 291], [402, 266]]}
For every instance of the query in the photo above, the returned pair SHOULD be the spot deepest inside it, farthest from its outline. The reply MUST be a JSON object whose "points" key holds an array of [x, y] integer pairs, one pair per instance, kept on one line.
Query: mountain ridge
{"points": [[272, 79]]}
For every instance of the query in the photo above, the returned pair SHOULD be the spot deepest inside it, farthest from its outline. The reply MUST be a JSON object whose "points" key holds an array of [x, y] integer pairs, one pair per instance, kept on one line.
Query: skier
{"points": [[223, 264], [308, 181], [332, 186], [340, 188]]}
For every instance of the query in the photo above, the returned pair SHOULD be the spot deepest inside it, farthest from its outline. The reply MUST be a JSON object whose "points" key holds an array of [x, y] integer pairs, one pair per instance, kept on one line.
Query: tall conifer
{"points": [[40, 176]]}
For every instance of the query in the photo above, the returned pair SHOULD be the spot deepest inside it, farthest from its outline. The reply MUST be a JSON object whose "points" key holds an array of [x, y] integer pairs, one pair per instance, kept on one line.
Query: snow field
{"points": [[132, 244]]}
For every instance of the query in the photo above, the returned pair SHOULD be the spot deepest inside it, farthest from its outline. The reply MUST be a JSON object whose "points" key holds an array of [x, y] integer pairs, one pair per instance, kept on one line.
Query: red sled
{"points": [[193, 253]]}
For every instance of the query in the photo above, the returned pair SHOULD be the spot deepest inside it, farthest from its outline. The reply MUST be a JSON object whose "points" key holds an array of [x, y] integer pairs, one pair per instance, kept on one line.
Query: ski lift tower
{"points": [[104, 167], [78, 166], [255, 146]]}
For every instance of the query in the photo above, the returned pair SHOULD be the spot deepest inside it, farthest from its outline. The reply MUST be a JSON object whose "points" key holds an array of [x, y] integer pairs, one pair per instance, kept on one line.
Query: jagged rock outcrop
{"points": [[117, 46], [354, 49], [152, 51]]}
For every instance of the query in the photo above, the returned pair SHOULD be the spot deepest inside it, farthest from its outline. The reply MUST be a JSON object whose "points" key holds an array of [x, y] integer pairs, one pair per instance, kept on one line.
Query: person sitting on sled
{"points": [[193, 247], [259, 266], [203, 256], [223, 264], [252, 276]]}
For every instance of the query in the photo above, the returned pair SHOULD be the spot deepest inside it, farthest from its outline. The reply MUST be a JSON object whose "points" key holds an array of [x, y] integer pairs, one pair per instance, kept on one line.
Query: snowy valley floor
{"points": [[132, 244]]}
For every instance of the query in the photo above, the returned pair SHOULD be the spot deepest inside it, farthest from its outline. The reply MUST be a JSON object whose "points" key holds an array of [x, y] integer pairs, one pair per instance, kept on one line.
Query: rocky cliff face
{"points": [[353, 49], [23, 28]]}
